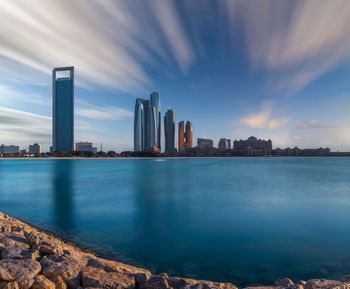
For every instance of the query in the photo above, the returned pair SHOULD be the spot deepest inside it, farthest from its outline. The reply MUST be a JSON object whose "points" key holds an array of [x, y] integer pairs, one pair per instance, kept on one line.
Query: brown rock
{"points": [[41, 282], [67, 268], [50, 250], [59, 283], [33, 239], [97, 278], [14, 253], [21, 271], [346, 279], [285, 282], [98, 264], [261, 287], [9, 285], [321, 284], [177, 283], [13, 240]]}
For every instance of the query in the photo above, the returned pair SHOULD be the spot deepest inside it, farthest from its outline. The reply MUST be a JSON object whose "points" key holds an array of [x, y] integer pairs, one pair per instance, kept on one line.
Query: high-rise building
{"points": [[85, 147], [154, 121], [188, 135], [205, 143], [252, 143], [147, 123], [34, 149], [224, 144], [63, 110], [169, 130], [181, 137]]}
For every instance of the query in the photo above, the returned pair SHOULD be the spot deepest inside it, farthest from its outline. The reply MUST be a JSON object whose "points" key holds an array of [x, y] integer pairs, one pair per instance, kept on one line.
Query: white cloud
{"points": [[263, 120], [313, 124]]}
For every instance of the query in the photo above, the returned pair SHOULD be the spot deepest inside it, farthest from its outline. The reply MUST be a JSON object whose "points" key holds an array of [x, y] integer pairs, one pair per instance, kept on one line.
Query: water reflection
{"points": [[63, 198]]}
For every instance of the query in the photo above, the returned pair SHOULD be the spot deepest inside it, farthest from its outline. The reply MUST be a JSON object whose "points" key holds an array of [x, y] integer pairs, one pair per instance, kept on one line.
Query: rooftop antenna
{"points": [[101, 147]]}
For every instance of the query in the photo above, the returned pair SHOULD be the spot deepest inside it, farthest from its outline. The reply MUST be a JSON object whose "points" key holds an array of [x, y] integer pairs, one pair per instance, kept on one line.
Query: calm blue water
{"points": [[244, 220]]}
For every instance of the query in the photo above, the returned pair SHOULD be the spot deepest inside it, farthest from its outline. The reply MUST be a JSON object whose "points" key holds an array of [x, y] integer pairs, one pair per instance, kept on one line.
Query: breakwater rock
{"points": [[32, 258]]}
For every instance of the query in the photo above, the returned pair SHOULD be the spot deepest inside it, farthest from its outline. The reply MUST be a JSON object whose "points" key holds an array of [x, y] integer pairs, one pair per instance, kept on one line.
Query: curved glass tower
{"points": [[138, 125], [147, 124]]}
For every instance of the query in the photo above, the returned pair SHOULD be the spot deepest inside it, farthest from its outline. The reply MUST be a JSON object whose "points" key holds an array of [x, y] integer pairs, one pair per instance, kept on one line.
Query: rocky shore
{"points": [[31, 258]]}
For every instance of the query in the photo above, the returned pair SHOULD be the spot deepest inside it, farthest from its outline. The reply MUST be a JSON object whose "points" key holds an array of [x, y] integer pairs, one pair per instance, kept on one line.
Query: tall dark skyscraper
{"points": [[63, 110], [147, 123], [169, 130]]}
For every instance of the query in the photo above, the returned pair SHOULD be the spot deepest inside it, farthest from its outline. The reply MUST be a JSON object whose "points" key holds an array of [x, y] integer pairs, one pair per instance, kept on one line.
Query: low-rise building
{"points": [[11, 149], [205, 143], [34, 149], [85, 147], [253, 146], [224, 144]]}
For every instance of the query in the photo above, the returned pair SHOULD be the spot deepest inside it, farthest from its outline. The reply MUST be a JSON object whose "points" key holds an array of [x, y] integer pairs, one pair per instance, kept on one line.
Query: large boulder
{"points": [[321, 284], [15, 253], [20, 271], [9, 285], [67, 268], [13, 240], [285, 282], [98, 278], [41, 282]]}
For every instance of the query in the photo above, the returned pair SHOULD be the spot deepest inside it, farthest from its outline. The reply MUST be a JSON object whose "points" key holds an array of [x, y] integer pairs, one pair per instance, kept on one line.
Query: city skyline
{"points": [[232, 70]]}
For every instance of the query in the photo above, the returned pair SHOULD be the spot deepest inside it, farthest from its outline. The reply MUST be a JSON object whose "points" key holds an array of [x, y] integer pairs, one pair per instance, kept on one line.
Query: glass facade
{"points": [[63, 111], [147, 124], [169, 130]]}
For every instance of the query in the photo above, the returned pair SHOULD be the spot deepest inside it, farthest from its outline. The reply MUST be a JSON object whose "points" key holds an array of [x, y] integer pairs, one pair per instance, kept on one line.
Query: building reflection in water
{"points": [[63, 199]]}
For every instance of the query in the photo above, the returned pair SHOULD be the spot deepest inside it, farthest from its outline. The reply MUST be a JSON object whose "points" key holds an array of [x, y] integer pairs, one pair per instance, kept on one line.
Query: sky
{"points": [[275, 69]]}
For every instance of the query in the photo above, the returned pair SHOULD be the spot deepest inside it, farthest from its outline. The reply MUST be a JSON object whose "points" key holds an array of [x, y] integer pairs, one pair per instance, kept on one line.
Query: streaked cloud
{"points": [[313, 124], [297, 41], [263, 120], [88, 110], [107, 41]]}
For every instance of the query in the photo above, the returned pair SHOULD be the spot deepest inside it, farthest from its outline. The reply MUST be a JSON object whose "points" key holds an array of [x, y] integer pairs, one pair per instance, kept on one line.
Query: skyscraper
{"points": [[63, 110], [154, 121], [188, 135], [147, 123], [139, 125], [169, 130], [181, 137], [224, 144]]}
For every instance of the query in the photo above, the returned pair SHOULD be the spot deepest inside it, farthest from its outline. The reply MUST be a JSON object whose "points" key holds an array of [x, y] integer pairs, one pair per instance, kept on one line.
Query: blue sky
{"points": [[274, 69]]}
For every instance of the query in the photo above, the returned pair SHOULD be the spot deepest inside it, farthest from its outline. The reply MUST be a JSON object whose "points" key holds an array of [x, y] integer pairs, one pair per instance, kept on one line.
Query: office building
{"points": [[147, 124], [205, 143], [181, 137], [63, 109], [11, 149], [34, 149], [224, 144], [169, 130], [85, 147], [254, 144], [188, 135]]}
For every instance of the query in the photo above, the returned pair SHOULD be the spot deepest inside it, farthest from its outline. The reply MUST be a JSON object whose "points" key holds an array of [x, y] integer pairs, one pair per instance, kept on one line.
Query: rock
{"points": [[261, 287], [41, 282], [59, 283], [295, 286], [140, 278], [155, 282], [13, 240], [321, 284], [97, 278], [177, 283], [33, 239], [285, 282], [33, 254], [346, 278], [20, 271], [14, 253], [9, 285], [64, 266], [98, 264], [50, 250]]}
